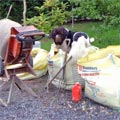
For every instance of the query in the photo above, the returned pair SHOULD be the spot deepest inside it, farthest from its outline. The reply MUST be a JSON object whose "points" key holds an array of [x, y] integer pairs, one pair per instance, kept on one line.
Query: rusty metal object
{"points": [[17, 45]]}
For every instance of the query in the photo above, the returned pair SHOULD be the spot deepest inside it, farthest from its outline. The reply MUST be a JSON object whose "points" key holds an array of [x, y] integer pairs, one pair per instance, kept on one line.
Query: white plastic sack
{"points": [[40, 64], [102, 80], [105, 90], [71, 74]]}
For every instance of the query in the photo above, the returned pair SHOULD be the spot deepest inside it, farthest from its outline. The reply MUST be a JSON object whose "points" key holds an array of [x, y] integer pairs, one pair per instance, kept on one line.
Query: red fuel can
{"points": [[76, 92]]}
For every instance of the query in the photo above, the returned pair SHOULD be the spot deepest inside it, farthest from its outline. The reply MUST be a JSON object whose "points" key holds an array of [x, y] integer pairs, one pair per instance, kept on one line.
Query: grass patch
{"points": [[104, 35], [46, 43]]}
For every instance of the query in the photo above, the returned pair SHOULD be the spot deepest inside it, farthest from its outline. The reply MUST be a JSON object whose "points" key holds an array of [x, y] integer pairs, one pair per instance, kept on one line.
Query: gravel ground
{"points": [[55, 105]]}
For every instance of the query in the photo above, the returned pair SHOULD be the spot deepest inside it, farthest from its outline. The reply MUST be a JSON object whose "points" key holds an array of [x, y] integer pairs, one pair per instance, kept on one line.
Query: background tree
{"points": [[51, 14], [16, 13], [101, 10]]}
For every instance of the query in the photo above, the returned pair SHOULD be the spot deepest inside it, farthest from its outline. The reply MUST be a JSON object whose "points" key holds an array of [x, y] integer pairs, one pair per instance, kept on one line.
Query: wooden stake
{"points": [[3, 102], [10, 8], [24, 12]]}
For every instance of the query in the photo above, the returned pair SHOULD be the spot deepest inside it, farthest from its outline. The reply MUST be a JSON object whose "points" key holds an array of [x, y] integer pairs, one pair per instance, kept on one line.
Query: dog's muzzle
{"points": [[58, 40], [65, 46]]}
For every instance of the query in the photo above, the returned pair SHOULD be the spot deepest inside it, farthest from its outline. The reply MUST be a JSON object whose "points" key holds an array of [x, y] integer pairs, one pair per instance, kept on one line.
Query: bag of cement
{"points": [[71, 75], [102, 80], [6, 26], [40, 64]]}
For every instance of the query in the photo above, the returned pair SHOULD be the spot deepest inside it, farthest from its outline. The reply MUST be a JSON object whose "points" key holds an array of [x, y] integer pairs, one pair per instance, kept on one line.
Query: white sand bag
{"points": [[71, 74], [106, 89], [102, 80], [101, 53], [40, 64], [5, 29]]}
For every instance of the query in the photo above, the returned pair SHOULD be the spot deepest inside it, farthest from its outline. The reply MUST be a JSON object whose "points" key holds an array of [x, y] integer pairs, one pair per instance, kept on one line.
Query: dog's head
{"points": [[59, 35]]}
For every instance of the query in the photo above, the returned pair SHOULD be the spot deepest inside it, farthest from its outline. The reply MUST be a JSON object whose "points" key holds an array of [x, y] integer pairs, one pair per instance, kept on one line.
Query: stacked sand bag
{"points": [[40, 64], [100, 70]]}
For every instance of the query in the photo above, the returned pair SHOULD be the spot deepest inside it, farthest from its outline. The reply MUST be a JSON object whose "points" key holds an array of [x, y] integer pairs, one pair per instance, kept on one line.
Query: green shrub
{"points": [[103, 10], [51, 14], [16, 13]]}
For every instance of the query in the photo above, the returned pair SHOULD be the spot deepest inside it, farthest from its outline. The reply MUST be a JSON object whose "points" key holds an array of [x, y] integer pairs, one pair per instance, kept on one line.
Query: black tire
{"points": [[31, 61], [1, 67]]}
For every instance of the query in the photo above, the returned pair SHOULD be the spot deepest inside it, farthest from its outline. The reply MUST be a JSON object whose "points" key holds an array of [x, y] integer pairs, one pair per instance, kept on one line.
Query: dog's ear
{"points": [[52, 34], [66, 31]]}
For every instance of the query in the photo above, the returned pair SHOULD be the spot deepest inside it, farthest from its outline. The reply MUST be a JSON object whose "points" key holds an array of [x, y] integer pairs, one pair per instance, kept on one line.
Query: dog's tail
{"points": [[91, 40]]}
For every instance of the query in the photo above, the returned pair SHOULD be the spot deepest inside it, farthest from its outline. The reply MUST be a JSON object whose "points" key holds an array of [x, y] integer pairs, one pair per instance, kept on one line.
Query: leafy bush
{"points": [[87, 10], [51, 14], [16, 13], [112, 17], [103, 10]]}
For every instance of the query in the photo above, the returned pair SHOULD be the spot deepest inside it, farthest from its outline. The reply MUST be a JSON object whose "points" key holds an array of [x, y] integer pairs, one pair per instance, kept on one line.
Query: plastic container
{"points": [[77, 92], [37, 44]]}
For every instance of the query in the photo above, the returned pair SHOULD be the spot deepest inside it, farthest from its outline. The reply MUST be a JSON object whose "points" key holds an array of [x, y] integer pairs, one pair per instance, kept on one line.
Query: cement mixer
{"points": [[16, 42], [5, 26]]}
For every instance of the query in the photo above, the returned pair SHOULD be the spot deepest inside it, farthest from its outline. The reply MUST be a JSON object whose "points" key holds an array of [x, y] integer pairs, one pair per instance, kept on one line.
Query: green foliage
{"points": [[112, 17], [51, 14], [17, 6], [88, 10], [41, 22], [16, 13], [112, 20], [58, 16], [103, 10]]}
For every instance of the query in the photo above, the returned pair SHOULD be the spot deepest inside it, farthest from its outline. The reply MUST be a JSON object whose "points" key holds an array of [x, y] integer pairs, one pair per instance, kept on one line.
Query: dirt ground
{"points": [[55, 105]]}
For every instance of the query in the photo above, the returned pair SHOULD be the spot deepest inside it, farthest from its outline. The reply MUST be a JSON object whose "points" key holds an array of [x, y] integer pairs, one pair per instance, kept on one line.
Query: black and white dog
{"points": [[76, 44], [64, 38]]}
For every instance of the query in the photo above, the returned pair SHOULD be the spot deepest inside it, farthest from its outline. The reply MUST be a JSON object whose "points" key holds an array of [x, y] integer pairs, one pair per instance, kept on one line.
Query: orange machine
{"points": [[20, 43], [17, 58]]}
